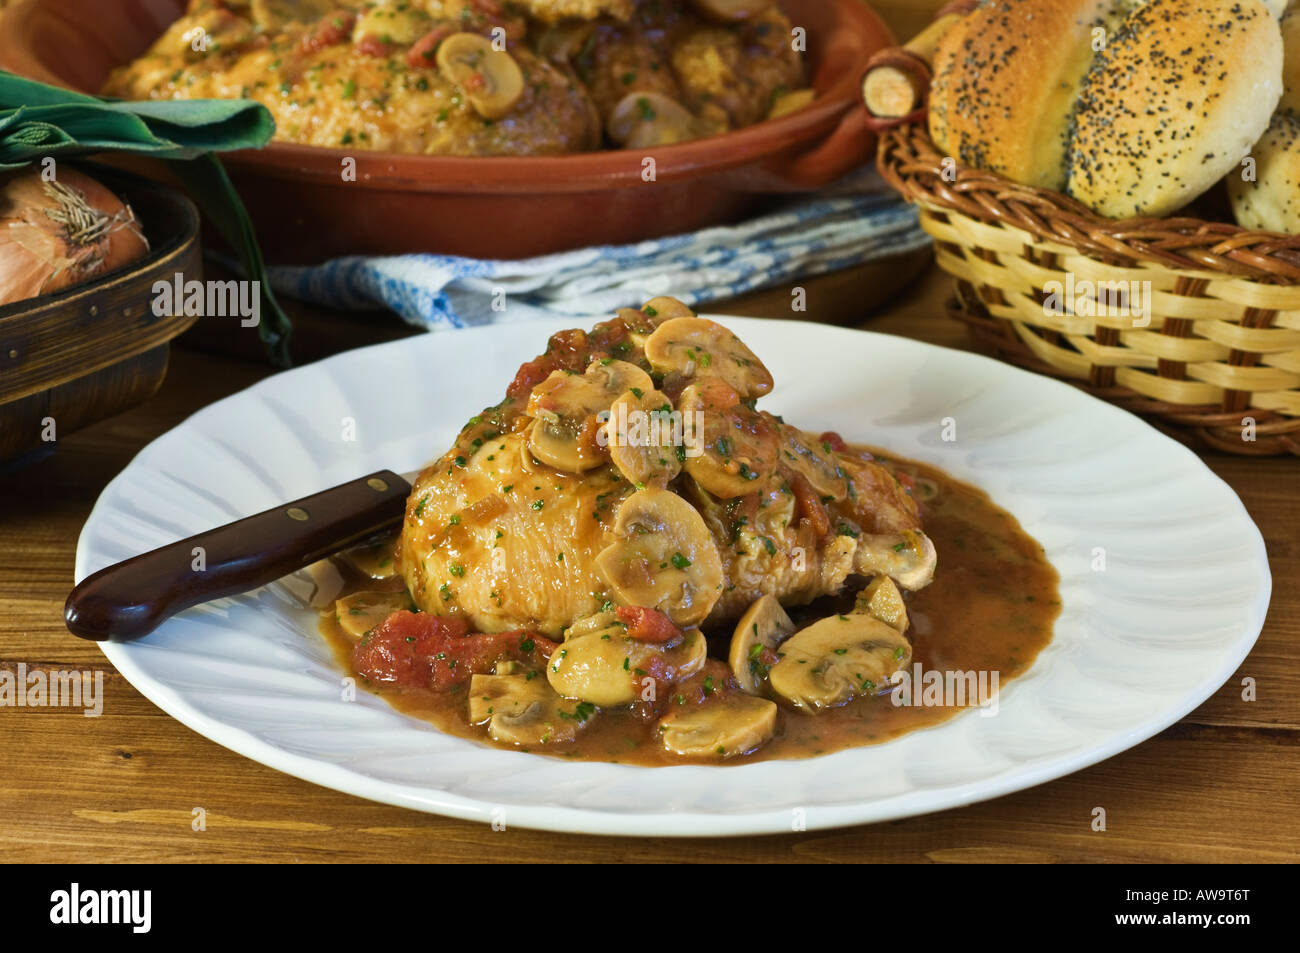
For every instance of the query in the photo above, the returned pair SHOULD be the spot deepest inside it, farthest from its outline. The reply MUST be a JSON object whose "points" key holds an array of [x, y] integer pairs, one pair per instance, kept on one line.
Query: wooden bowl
{"points": [[95, 349], [491, 207]]}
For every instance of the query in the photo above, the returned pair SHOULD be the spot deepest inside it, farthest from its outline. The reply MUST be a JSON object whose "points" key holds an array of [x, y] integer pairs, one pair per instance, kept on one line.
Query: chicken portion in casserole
{"points": [[669, 74], [389, 77], [477, 77]]}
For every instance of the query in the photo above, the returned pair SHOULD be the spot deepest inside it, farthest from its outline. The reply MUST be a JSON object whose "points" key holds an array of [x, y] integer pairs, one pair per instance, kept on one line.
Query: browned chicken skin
{"points": [[553, 506], [479, 77], [373, 76]]}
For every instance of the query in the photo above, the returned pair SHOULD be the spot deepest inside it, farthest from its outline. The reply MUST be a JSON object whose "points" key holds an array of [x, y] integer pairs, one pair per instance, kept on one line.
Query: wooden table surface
{"points": [[1217, 786]]}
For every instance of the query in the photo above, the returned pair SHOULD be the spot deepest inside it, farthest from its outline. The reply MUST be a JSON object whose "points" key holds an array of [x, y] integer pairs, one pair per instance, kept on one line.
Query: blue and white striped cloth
{"points": [[806, 238]]}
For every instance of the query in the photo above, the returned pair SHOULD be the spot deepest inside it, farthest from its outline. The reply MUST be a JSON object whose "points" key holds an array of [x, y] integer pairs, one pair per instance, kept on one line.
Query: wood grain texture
{"points": [[1217, 786]]}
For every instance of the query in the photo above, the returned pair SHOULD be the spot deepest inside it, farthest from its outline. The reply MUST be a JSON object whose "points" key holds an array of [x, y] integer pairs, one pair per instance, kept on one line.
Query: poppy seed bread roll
{"points": [[1006, 79], [1272, 201], [1173, 104], [1133, 107], [1291, 62]]}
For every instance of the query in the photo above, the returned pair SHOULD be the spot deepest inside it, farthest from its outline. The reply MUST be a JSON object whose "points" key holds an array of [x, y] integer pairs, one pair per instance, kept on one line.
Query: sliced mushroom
{"points": [[566, 408], [735, 449], [815, 460], [882, 599], [490, 79], [646, 438], [731, 11], [698, 347], [643, 119], [908, 557], [764, 626], [617, 377], [525, 711], [592, 623], [374, 559], [665, 307], [721, 728], [664, 557], [607, 668], [835, 659], [360, 612], [598, 667], [395, 22], [791, 102], [684, 660]]}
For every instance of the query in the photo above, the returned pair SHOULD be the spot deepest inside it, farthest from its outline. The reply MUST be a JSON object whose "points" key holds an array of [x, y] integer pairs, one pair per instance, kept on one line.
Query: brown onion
{"points": [[61, 233]]}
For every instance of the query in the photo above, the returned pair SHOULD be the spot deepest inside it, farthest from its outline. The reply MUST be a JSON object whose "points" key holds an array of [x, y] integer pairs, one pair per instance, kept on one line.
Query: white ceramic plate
{"points": [[1136, 648]]}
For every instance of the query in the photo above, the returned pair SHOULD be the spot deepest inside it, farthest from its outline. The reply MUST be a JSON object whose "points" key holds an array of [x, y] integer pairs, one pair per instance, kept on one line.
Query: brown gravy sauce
{"points": [[990, 608]]}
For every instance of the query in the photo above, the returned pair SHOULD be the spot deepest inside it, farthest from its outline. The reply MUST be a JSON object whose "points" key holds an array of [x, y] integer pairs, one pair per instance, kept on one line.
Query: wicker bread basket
{"points": [[1215, 357]]}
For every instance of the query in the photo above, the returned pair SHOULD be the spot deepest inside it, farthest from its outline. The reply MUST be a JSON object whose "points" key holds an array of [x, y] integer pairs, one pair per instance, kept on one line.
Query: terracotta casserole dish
{"points": [[491, 207]]}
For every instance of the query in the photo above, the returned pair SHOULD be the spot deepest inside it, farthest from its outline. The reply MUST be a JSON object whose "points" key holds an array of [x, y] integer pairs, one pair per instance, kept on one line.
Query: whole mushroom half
{"points": [[521, 710], [665, 307], [644, 119], [645, 438], [664, 557], [607, 668], [815, 461], [490, 78], [566, 408], [724, 727], [836, 659], [736, 451], [909, 557], [763, 627], [698, 347], [359, 612]]}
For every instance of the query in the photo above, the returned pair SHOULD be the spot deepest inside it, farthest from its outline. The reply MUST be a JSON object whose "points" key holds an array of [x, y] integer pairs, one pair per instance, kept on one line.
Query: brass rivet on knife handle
{"points": [[130, 599]]}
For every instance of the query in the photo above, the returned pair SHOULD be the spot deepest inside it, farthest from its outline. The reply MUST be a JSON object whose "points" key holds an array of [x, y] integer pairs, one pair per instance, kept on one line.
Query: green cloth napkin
{"points": [[38, 120]]}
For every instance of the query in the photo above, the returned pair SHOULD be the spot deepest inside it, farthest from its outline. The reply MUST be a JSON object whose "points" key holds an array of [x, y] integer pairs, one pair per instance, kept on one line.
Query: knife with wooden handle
{"points": [[131, 598]]}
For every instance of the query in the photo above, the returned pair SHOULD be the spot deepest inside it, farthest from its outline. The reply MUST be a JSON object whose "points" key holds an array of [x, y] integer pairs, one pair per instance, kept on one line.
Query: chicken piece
{"points": [[757, 508], [389, 76], [553, 11], [722, 77]]}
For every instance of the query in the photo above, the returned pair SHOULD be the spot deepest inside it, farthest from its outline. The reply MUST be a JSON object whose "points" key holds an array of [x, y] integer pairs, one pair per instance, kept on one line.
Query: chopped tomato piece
{"points": [[649, 706], [330, 31], [421, 54], [573, 350], [647, 625], [371, 45], [530, 374], [835, 441], [420, 650]]}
